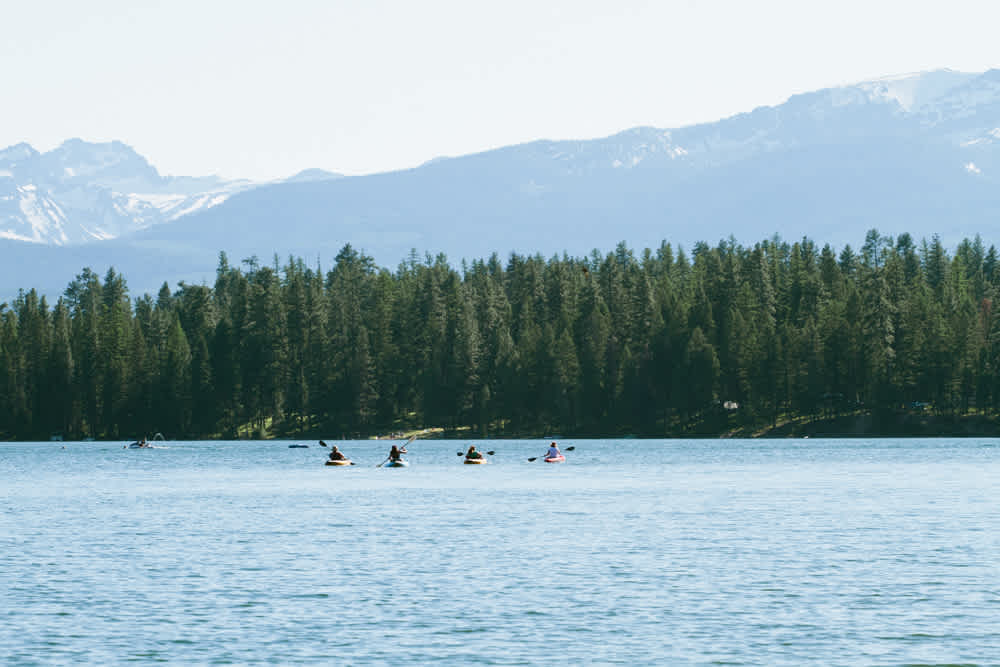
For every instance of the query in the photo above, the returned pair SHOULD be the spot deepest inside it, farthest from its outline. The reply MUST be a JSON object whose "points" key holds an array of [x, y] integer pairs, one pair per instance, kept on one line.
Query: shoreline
{"points": [[843, 427]]}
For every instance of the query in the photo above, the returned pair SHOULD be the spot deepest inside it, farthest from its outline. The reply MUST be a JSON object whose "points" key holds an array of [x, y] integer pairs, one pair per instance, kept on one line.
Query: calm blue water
{"points": [[788, 552]]}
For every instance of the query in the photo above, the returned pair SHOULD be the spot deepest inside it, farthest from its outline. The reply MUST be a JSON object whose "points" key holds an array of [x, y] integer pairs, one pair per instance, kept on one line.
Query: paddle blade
{"points": [[459, 453], [532, 459], [491, 453], [569, 449]]}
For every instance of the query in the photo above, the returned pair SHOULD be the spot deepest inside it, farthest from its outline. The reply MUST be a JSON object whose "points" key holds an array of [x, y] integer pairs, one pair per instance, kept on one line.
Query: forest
{"points": [[657, 343]]}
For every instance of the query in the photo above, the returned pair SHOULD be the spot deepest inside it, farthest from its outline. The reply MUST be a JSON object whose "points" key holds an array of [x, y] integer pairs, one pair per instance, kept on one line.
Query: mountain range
{"points": [[917, 153]]}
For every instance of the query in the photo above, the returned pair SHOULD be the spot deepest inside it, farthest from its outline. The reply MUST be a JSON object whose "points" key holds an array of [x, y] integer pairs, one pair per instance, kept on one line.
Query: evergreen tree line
{"points": [[659, 343]]}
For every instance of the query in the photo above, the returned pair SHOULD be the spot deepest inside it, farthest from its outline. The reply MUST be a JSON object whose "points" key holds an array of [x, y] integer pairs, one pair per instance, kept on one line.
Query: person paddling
{"points": [[472, 454], [553, 451], [337, 455], [396, 454]]}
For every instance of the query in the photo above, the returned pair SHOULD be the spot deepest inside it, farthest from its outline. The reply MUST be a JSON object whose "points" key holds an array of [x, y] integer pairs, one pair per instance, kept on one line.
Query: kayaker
{"points": [[472, 453], [553, 452], [395, 454], [337, 455]]}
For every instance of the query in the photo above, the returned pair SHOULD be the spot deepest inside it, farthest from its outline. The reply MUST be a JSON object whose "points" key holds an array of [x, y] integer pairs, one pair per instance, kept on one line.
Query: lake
{"points": [[679, 552]]}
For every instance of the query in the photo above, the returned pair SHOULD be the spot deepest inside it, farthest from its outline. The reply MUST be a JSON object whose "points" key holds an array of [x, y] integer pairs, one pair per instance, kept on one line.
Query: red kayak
{"points": [[555, 459]]}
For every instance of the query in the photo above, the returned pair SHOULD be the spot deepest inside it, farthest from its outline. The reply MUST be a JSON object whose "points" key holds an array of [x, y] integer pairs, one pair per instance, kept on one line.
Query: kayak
{"points": [[344, 462], [476, 461], [555, 459], [397, 464]]}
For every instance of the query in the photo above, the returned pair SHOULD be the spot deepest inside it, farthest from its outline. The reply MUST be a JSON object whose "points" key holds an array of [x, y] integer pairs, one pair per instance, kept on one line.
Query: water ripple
{"points": [[724, 553]]}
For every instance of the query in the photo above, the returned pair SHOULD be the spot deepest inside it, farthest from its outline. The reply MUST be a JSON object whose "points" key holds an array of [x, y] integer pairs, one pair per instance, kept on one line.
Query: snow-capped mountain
{"points": [[957, 108], [917, 153], [85, 191]]}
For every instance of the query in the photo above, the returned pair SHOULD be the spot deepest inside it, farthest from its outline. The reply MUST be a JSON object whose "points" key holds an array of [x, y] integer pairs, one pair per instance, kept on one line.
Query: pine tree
{"points": [[114, 325], [83, 298], [59, 374]]}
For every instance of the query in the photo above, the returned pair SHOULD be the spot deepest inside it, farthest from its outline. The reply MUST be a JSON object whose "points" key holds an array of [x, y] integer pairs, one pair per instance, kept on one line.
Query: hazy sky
{"points": [[262, 90]]}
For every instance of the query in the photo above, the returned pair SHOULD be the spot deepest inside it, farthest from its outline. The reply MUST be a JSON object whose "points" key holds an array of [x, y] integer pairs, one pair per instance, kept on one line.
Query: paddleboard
{"points": [[555, 459], [397, 464], [338, 463], [475, 461]]}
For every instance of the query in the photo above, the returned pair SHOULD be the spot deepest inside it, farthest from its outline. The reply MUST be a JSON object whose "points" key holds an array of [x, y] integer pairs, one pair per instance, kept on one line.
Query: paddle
{"points": [[491, 453], [402, 450], [533, 458], [325, 445]]}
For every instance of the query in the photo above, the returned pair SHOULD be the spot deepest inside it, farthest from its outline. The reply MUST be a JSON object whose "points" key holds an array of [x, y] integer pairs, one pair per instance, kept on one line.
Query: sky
{"points": [[264, 89]]}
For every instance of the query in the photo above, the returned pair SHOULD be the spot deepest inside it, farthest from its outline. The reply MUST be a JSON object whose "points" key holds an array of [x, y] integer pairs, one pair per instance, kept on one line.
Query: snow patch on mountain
{"points": [[625, 150], [914, 91], [46, 218]]}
